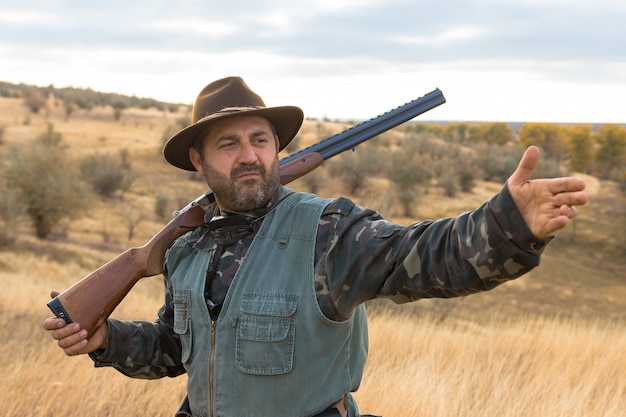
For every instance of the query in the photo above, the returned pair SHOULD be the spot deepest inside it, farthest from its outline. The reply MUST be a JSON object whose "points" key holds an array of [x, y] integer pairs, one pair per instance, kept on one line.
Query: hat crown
{"points": [[222, 94]]}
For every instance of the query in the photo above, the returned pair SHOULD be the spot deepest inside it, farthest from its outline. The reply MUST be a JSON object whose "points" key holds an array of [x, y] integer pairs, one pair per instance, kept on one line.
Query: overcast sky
{"points": [[494, 60]]}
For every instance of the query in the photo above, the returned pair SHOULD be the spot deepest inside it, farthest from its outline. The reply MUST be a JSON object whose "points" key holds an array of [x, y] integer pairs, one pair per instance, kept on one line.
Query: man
{"points": [[264, 304]]}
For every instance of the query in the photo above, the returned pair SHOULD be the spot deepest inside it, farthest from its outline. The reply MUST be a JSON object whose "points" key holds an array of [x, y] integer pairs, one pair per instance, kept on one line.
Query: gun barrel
{"points": [[366, 130]]}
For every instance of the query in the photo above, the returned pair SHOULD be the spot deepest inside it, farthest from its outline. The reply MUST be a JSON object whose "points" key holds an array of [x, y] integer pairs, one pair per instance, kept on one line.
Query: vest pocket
{"points": [[265, 333], [182, 317]]}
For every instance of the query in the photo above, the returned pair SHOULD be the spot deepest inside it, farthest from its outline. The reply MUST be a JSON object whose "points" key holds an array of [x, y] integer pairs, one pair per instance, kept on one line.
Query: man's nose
{"points": [[247, 154]]}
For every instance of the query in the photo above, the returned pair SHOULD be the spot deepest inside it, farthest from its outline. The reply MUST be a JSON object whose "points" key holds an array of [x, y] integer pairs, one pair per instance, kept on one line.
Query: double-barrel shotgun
{"points": [[91, 300]]}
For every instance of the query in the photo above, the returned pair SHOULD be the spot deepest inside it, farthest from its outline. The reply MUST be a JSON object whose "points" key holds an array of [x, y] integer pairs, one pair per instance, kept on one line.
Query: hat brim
{"points": [[286, 120]]}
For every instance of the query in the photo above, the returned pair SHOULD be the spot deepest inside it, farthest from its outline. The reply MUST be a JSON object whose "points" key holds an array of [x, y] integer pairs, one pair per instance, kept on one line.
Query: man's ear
{"points": [[196, 160], [277, 142]]}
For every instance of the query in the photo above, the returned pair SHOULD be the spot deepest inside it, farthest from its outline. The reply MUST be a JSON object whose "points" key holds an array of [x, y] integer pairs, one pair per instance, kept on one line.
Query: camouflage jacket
{"points": [[359, 256]]}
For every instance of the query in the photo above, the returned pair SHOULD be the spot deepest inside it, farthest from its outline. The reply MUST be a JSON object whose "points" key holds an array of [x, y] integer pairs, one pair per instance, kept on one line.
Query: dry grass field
{"points": [[550, 344]]}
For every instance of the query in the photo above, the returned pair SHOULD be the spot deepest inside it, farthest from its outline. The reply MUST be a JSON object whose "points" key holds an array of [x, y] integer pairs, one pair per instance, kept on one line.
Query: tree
{"points": [[532, 134], [450, 184], [466, 173], [35, 99], [315, 180], [611, 154], [580, 144], [456, 132], [497, 133], [356, 167], [68, 105], [46, 182], [118, 108], [105, 174], [408, 171], [549, 137]]}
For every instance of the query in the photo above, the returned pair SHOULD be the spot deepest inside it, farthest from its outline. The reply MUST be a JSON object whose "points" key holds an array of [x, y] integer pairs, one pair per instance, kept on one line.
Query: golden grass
{"points": [[419, 365], [514, 367], [38, 379]]}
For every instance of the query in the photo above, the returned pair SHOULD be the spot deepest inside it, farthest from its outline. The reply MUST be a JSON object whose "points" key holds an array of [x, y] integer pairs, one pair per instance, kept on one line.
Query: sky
{"points": [[558, 61]]}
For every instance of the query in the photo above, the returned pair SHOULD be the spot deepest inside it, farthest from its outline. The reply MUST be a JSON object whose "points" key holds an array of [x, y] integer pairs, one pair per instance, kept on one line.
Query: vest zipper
{"points": [[211, 366]]}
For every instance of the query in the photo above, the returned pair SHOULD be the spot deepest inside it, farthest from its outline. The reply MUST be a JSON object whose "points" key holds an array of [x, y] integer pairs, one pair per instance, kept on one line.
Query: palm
{"points": [[546, 205]]}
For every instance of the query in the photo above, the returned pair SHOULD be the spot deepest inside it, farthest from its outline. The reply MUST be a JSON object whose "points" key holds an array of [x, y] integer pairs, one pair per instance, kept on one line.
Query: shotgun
{"points": [[91, 300]]}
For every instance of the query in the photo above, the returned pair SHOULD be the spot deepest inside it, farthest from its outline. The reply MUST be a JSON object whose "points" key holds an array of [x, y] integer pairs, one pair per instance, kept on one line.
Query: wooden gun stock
{"points": [[92, 299]]}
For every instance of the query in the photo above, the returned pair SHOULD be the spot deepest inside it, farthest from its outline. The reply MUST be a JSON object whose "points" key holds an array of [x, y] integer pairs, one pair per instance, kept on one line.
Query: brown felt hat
{"points": [[229, 97]]}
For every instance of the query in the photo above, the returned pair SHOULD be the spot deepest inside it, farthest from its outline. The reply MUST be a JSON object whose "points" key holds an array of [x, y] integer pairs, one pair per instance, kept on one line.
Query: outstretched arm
{"points": [[547, 205]]}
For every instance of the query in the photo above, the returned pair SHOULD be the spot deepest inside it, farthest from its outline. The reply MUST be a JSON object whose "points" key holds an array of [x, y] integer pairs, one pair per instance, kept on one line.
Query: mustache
{"points": [[245, 168]]}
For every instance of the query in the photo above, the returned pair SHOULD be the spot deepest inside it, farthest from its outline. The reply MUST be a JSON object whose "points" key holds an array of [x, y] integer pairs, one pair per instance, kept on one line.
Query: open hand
{"points": [[547, 205]]}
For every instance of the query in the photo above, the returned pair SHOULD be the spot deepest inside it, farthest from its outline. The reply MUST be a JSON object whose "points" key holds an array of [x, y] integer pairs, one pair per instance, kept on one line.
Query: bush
{"points": [[46, 183], [497, 162], [409, 172], [449, 183], [466, 175], [315, 180], [105, 174], [355, 167], [161, 206], [35, 99]]}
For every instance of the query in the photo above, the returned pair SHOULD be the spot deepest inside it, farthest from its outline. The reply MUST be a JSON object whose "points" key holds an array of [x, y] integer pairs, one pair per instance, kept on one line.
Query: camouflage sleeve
{"points": [[146, 350], [361, 256]]}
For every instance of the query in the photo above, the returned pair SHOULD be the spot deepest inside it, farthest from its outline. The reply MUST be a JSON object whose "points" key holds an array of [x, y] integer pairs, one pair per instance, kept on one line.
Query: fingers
{"points": [[546, 205], [71, 331], [70, 337], [566, 185], [570, 198], [571, 211], [567, 193], [565, 210], [560, 217], [73, 344], [566, 190]]}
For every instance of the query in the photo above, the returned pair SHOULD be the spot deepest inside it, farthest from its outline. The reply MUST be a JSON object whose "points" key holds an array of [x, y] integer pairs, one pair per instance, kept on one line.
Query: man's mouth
{"points": [[249, 175]]}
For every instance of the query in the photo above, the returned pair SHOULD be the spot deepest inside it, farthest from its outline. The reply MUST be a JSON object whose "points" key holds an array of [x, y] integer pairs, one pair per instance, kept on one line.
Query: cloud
{"points": [[160, 48]]}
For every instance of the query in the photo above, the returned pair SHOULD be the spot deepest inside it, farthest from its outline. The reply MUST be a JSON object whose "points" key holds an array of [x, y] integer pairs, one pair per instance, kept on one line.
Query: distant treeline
{"points": [[594, 150], [72, 98], [598, 150]]}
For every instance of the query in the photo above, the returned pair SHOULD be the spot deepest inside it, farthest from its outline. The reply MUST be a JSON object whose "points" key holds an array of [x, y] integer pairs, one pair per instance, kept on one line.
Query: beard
{"points": [[236, 195]]}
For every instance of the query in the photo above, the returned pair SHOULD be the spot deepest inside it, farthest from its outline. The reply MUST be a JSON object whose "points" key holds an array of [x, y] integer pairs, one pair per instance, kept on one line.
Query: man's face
{"points": [[239, 162]]}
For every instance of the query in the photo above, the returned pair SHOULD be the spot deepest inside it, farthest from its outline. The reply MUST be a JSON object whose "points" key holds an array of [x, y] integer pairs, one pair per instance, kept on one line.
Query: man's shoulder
{"points": [[342, 206], [331, 206]]}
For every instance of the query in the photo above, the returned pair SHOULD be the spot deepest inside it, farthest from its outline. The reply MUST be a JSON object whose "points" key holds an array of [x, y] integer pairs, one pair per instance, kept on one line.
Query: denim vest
{"points": [[272, 352]]}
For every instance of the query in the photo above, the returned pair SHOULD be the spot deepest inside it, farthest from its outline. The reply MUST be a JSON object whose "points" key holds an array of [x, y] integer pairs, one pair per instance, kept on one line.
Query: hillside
{"points": [[542, 345], [583, 272]]}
